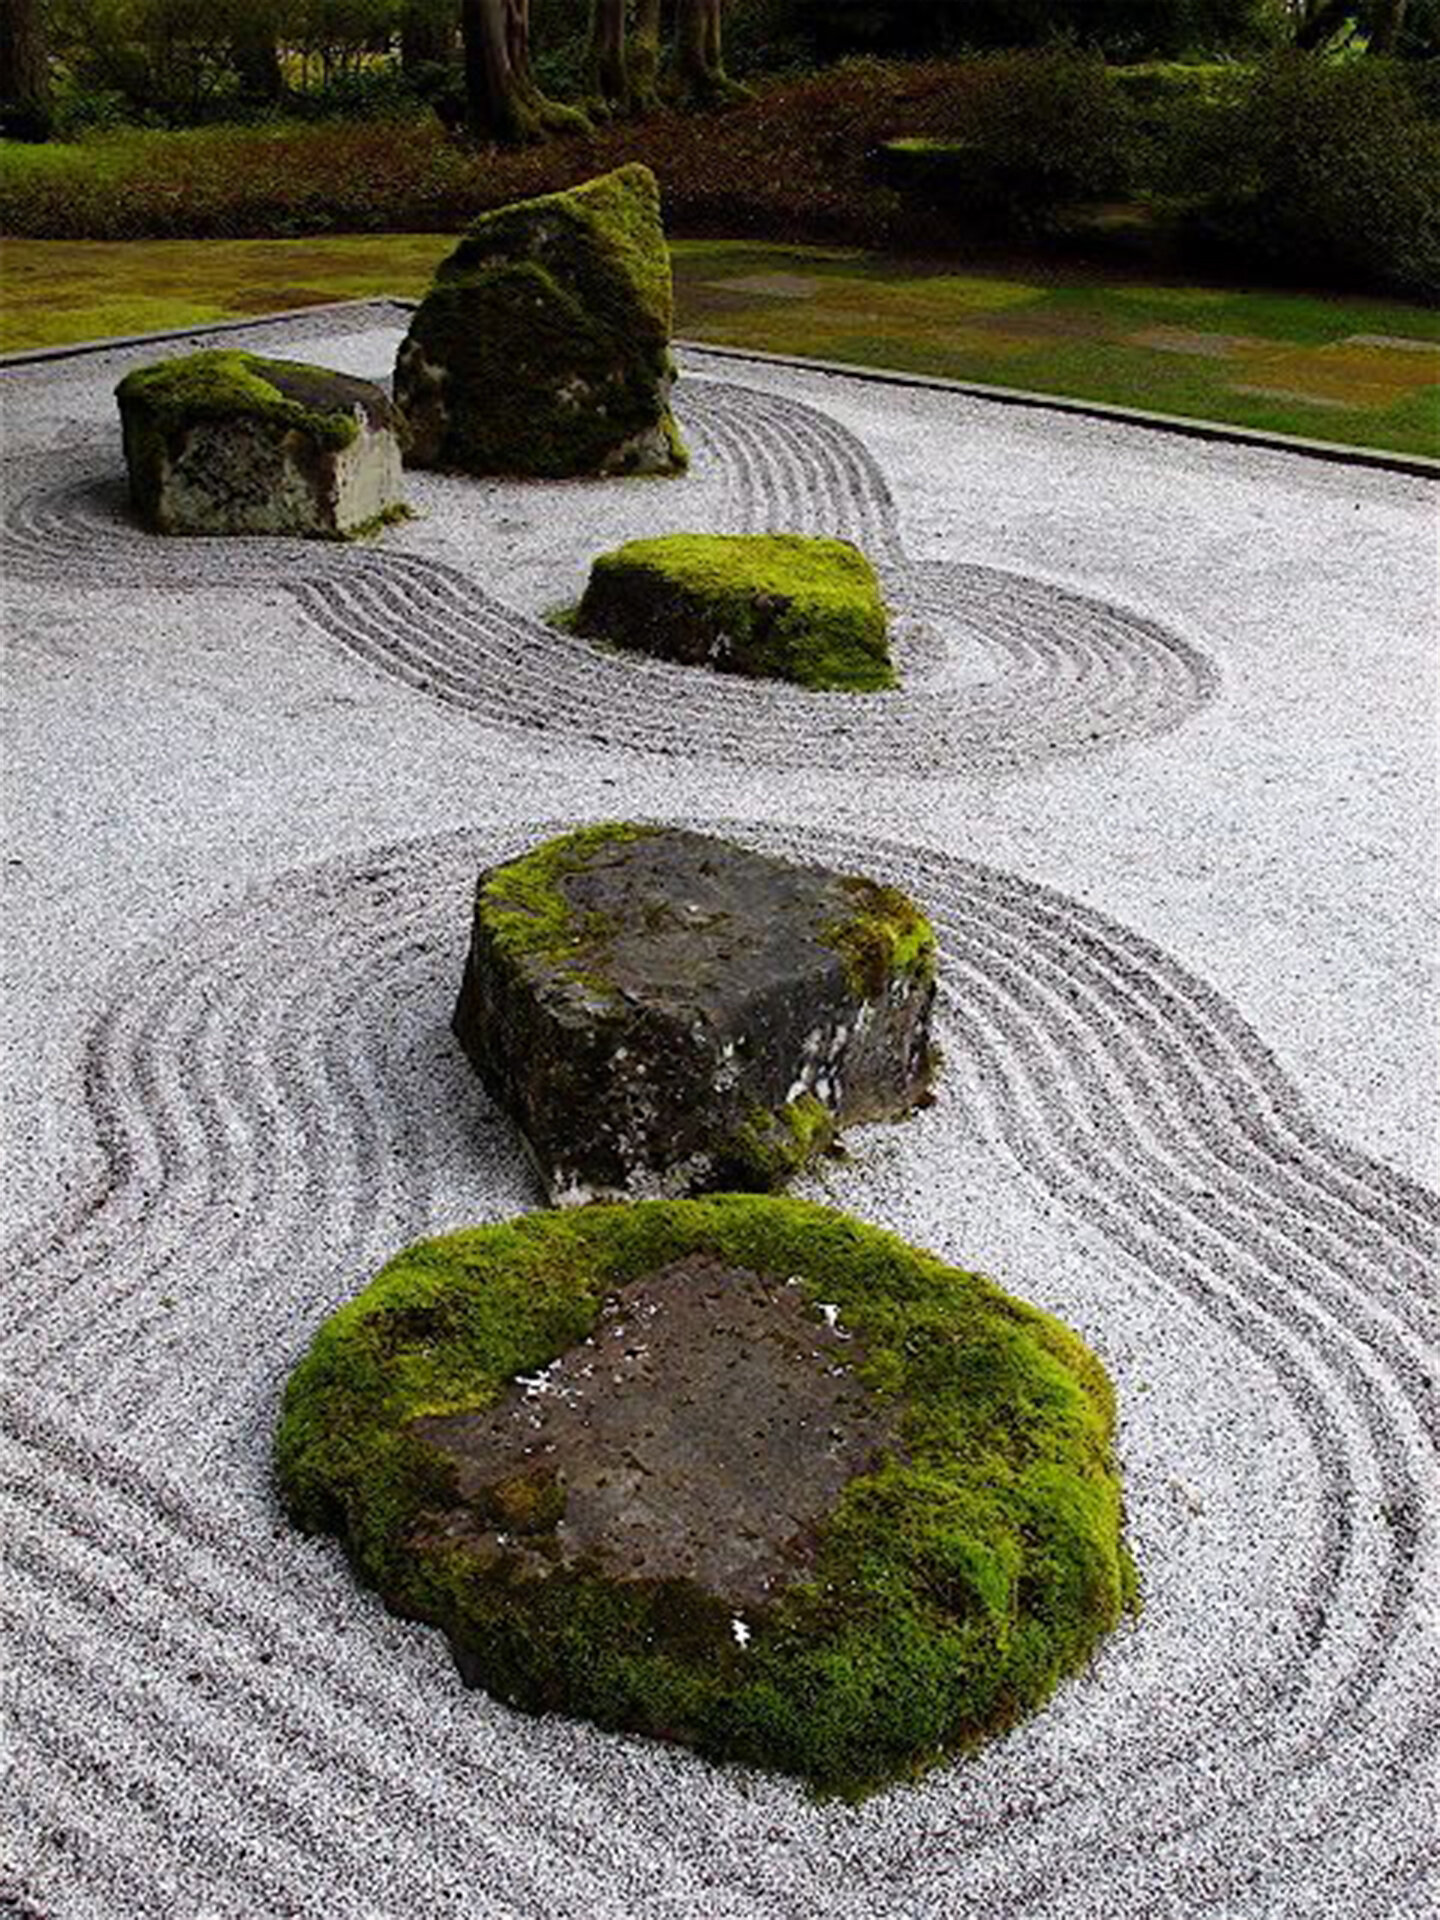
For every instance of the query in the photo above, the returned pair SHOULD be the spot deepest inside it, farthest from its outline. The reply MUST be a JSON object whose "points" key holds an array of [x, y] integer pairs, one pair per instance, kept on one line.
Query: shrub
{"points": [[1033, 134], [380, 92], [1329, 171], [1302, 168], [792, 161], [1120, 29], [81, 110]]}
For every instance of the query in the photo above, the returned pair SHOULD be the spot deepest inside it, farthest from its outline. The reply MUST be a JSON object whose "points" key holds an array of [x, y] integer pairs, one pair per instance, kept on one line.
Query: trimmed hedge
{"points": [[1323, 171]]}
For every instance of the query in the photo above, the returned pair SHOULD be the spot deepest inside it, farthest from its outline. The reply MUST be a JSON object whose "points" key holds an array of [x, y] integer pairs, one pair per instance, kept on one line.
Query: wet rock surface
{"points": [[700, 1434], [694, 1015]]}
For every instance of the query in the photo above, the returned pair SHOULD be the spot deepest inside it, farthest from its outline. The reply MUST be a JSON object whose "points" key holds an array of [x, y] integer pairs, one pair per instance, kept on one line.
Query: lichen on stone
{"points": [[771, 1146], [886, 938], [525, 910], [951, 1583], [777, 606]]}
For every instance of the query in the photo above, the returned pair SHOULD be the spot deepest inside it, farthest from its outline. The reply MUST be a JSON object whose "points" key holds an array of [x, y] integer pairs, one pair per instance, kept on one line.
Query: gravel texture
{"points": [[1162, 775]]}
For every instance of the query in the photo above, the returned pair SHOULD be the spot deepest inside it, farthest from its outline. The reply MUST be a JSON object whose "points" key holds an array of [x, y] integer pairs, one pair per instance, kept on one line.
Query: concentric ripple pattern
{"points": [[1014, 671], [277, 1104]]}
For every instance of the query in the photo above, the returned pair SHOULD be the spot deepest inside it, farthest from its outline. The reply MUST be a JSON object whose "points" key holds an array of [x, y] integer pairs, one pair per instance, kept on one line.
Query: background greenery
{"points": [[1105, 158], [1362, 371], [1292, 166]]}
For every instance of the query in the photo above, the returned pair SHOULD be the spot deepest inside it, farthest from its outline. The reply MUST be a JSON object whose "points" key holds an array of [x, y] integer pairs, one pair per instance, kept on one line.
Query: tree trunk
{"points": [[503, 102], [1320, 20], [517, 40], [427, 34], [699, 59], [493, 106], [24, 72], [644, 61], [607, 81], [1387, 18], [691, 39], [543, 115], [256, 56]]}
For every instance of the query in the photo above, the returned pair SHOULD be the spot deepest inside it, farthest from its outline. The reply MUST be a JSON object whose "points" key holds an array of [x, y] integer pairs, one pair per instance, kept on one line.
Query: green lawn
{"points": [[1364, 372]]}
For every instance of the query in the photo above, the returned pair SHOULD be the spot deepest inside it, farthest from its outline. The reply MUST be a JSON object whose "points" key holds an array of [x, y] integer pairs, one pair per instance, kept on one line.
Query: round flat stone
{"points": [[740, 1472]]}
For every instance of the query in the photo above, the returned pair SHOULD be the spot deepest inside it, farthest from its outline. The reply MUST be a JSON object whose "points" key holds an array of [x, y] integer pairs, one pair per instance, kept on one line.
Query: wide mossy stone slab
{"points": [[774, 606], [231, 443], [664, 1013], [738, 1472], [543, 346]]}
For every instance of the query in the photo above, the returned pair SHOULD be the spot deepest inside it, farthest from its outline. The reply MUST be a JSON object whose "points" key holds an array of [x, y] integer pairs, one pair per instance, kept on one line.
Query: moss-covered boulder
{"points": [[543, 347], [226, 442], [775, 606], [736, 1472], [661, 1012]]}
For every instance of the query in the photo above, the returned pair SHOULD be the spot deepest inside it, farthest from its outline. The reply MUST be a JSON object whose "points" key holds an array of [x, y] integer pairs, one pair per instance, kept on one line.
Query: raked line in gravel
{"points": [[1053, 672], [209, 1720]]}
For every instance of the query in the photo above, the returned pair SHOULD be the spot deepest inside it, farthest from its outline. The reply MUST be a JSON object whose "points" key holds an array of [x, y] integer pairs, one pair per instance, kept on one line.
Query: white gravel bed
{"points": [[1164, 773]]}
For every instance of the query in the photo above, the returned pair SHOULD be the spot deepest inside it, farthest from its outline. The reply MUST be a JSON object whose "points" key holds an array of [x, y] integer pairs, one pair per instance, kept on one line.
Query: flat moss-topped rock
{"points": [[774, 606], [662, 1012], [229, 443], [543, 346], [737, 1472]]}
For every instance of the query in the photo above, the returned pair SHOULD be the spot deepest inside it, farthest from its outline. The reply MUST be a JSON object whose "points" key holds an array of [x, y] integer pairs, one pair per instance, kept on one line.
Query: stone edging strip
{"points": [[1412, 463], [112, 343], [1416, 464]]}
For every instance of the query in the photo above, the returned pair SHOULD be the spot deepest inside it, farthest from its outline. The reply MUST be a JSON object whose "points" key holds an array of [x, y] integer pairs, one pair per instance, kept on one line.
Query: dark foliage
{"points": [[1325, 171], [827, 30]]}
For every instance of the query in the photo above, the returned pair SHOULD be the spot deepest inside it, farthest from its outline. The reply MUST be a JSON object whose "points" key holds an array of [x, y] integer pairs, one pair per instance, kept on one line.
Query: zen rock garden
{"points": [[682, 1455], [541, 350], [731, 1469]]}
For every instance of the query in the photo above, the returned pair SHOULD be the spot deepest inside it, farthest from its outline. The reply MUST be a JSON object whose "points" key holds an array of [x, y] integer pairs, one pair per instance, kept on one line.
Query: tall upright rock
{"points": [[543, 347]]}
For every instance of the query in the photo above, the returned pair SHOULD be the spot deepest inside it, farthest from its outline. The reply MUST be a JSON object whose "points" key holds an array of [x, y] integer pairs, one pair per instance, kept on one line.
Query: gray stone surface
{"points": [[699, 1434], [230, 465], [704, 990]]}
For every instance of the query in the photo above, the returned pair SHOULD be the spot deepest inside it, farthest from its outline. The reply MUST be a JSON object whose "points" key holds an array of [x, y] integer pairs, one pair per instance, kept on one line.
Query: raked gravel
{"points": [[1164, 773]]}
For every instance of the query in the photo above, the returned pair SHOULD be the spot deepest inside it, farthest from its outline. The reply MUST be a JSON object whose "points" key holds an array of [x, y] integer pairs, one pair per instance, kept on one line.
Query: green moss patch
{"points": [[950, 1587], [528, 915], [769, 1148], [885, 939], [224, 385], [543, 347], [775, 606]]}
